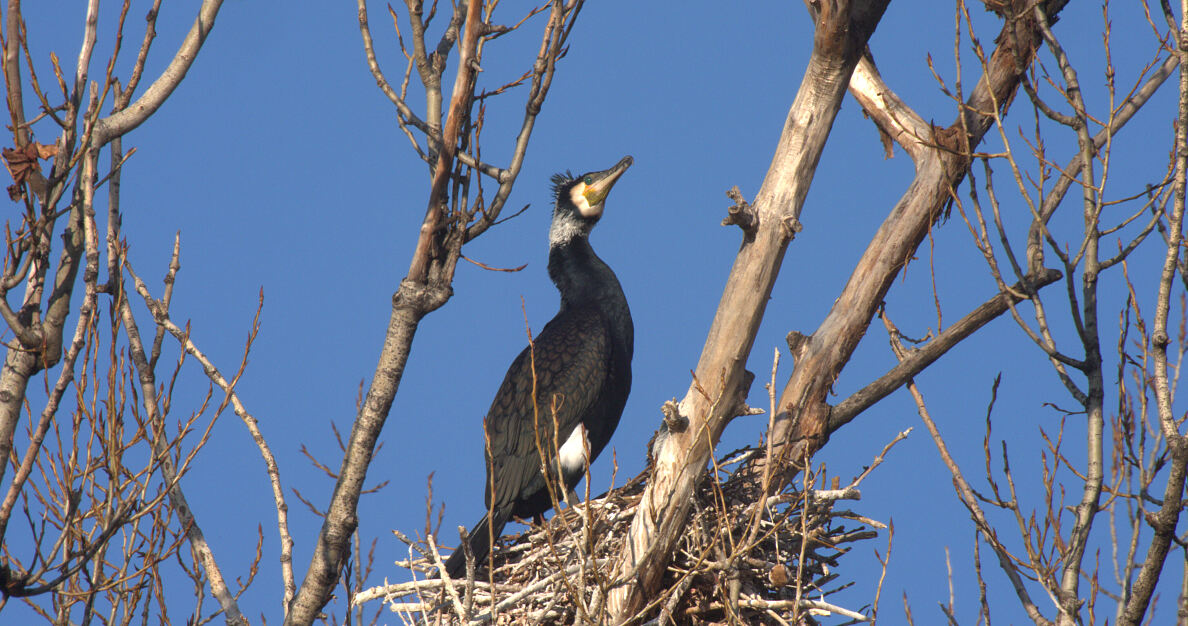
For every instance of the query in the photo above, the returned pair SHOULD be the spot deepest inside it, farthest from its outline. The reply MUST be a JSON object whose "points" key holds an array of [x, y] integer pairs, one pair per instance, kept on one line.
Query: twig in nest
{"points": [[777, 549]]}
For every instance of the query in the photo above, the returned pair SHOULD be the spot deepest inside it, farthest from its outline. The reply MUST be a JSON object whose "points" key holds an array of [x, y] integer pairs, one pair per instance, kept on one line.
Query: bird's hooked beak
{"points": [[601, 182]]}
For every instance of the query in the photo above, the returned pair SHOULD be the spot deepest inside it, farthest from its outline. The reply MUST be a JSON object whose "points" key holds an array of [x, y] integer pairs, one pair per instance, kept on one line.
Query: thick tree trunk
{"points": [[410, 304], [422, 292], [14, 378], [21, 365], [801, 425], [715, 395]]}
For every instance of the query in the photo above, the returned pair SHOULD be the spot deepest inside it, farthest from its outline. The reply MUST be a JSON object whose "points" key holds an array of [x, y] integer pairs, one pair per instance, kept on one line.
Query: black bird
{"points": [[583, 372]]}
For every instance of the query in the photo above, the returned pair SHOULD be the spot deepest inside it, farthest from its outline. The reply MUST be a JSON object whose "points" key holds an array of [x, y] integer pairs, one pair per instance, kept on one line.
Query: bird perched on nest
{"points": [[582, 362]]}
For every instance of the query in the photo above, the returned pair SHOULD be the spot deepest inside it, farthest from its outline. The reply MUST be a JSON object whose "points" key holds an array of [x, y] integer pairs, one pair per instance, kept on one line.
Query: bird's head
{"points": [[580, 200]]}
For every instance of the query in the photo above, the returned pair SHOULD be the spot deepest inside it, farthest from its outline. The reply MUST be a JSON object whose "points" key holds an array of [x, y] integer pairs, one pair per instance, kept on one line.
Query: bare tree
{"points": [[1057, 546], [640, 574], [747, 537], [82, 486], [1128, 454], [453, 217], [118, 467]]}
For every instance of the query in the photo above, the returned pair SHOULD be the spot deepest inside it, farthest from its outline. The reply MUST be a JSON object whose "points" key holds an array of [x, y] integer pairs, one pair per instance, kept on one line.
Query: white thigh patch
{"points": [[573, 451]]}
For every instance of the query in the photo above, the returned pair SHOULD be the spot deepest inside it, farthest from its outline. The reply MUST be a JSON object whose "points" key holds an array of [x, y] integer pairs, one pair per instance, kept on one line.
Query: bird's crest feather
{"points": [[560, 180]]}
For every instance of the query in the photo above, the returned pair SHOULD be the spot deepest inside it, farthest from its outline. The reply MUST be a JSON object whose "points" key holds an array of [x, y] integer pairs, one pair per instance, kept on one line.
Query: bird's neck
{"points": [[582, 277]]}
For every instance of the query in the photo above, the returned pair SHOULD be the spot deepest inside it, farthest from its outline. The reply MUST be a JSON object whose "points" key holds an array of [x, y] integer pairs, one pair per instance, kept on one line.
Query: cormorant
{"points": [[582, 372]]}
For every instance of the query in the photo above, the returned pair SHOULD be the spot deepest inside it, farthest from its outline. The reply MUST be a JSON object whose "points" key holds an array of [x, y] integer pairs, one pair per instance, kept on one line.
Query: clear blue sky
{"points": [[282, 166]]}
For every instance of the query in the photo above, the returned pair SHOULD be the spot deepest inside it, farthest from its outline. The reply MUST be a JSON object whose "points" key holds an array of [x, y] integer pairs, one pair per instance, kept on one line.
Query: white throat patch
{"points": [[578, 197]]}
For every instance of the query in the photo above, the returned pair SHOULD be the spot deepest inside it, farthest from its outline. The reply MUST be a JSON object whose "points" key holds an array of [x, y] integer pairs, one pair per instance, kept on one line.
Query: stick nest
{"points": [[744, 557]]}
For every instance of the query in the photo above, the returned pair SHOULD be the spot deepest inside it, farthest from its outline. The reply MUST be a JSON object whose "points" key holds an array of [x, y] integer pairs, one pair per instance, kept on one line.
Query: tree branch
{"points": [[922, 357], [161, 316], [460, 99], [802, 425], [1165, 520], [840, 36], [415, 298], [123, 121]]}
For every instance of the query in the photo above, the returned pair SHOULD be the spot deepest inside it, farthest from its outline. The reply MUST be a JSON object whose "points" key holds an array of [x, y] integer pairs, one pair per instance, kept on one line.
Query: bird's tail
{"points": [[491, 526]]}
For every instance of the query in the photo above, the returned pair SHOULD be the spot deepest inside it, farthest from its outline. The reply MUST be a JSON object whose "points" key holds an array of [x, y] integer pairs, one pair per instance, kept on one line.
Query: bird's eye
{"points": [[588, 180]]}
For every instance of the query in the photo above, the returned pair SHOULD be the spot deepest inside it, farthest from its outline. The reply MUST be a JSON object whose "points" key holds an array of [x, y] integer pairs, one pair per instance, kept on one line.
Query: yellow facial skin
{"points": [[589, 193], [587, 199], [595, 194], [589, 196]]}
